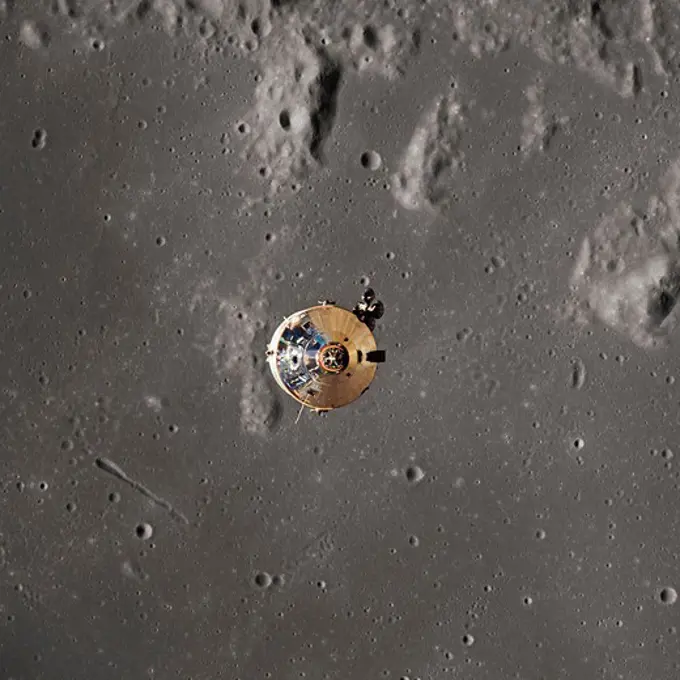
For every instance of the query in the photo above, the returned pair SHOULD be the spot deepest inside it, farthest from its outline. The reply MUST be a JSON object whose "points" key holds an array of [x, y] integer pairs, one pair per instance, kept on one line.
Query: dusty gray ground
{"points": [[177, 175]]}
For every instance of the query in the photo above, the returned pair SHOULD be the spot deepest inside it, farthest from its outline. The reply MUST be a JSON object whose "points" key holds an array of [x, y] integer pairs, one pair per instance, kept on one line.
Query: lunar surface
{"points": [[177, 177]]}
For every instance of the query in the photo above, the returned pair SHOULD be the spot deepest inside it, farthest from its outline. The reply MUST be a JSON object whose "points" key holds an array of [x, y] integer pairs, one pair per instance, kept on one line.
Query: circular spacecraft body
{"points": [[324, 357]]}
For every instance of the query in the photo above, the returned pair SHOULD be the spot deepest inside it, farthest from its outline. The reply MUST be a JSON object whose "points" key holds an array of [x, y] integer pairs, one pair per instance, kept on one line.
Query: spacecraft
{"points": [[326, 356]]}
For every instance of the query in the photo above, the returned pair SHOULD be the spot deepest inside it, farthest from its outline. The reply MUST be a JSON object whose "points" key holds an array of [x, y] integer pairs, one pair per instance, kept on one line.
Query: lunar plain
{"points": [[177, 176]]}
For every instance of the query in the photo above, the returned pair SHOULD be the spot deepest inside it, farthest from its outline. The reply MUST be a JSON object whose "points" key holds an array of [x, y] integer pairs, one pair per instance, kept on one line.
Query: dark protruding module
{"points": [[326, 356], [369, 309]]}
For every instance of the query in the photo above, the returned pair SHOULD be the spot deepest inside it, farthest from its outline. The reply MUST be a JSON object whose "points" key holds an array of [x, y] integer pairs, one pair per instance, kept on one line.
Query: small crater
{"points": [[468, 640], [371, 160], [262, 580], [668, 595], [284, 120], [414, 474], [144, 531], [39, 140]]}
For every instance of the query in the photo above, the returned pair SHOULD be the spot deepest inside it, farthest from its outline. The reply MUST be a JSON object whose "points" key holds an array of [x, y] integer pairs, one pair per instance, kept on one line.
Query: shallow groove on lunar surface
{"points": [[177, 177]]}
